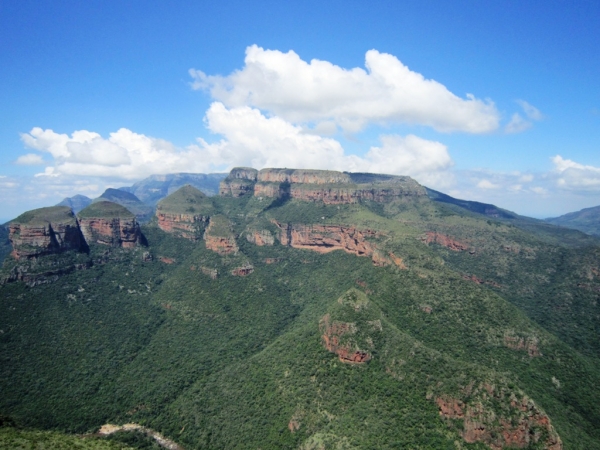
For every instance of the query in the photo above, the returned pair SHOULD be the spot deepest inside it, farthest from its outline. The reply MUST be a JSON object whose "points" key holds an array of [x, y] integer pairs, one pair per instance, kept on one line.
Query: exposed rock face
{"points": [[243, 270], [116, 232], [302, 176], [184, 213], [529, 344], [219, 238], [184, 225], [327, 238], [331, 337], [45, 231], [325, 186], [260, 237], [525, 425], [444, 241], [111, 224], [239, 182]]}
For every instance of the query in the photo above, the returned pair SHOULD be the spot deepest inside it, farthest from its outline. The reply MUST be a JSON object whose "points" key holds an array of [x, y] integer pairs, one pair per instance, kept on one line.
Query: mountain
{"points": [[308, 309], [150, 190], [142, 212], [586, 220], [76, 203]]}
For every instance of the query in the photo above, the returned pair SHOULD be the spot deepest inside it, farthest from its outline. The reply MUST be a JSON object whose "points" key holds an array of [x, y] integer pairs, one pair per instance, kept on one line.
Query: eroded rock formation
{"points": [[45, 231], [327, 238], [260, 237], [332, 338], [521, 424], [219, 238], [239, 182], [242, 271], [188, 226], [528, 344], [116, 232], [444, 241], [110, 224], [325, 186]]}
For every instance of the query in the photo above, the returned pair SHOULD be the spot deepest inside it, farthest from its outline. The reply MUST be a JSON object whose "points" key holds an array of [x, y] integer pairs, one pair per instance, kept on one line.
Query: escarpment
{"points": [[239, 182], [329, 187], [218, 236], [327, 238], [45, 231], [184, 213], [110, 224]]}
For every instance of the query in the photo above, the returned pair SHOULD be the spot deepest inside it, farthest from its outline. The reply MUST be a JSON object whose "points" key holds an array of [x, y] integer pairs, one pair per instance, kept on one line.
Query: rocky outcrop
{"points": [[219, 238], [326, 186], [302, 176], [185, 213], [188, 226], [243, 271], [327, 238], [520, 424], [114, 232], [528, 344], [45, 231], [110, 224], [239, 182], [260, 237], [332, 334], [445, 241]]}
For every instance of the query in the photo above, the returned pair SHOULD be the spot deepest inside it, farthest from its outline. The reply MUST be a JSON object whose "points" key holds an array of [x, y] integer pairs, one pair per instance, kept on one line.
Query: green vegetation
{"points": [[494, 312], [105, 209], [586, 220], [42, 216], [186, 200]]}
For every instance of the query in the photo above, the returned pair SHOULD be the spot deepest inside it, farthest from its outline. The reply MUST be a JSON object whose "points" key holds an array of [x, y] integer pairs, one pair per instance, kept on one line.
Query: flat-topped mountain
{"points": [[185, 212], [330, 187], [45, 231], [109, 223]]}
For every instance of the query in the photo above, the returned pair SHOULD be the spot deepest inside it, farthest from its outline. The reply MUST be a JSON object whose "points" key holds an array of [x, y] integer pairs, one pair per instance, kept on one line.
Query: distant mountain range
{"points": [[76, 203], [586, 220], [156, 187], [142, 197]]}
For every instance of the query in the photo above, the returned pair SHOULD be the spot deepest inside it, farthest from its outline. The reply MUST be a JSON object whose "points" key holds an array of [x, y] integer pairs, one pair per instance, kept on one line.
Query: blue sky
{"points": [[496, 101]]}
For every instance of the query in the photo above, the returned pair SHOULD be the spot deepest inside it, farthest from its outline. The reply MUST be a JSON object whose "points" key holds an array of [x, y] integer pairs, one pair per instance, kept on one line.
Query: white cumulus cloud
{"points": [[576, 176], [315, 91], [247, 137], [30, 159]]}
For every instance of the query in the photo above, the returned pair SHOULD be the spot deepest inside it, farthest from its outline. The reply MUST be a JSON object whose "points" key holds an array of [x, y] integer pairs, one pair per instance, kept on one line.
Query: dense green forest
{"points": [[499, 315]]}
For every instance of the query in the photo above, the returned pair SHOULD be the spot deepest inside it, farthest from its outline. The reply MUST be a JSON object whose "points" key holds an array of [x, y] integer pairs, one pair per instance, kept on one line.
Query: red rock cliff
{"points": [[188, 226], [219, 238], [45, 231], [116, 232]]}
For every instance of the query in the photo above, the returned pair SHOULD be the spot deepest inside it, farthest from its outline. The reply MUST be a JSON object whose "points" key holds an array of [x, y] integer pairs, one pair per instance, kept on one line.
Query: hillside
{"points": [[142, 212], [319, 310], [586, 220]]}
